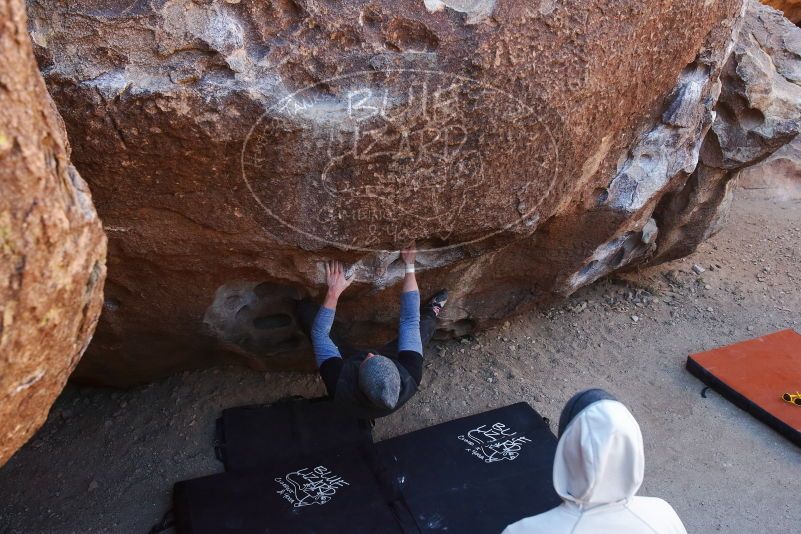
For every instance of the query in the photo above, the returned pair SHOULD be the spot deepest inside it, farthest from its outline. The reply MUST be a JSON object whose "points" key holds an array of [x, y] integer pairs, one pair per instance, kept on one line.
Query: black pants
{"points": [[307, 311]]}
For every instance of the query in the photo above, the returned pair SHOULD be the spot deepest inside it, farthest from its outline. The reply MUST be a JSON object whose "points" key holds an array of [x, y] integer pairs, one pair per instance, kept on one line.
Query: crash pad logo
{"points": [[369, 160], [309, 486], [494, 443]]}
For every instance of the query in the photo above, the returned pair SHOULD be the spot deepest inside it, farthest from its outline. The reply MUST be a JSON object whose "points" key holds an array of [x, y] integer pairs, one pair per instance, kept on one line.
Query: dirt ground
{"points": [[105, 461]]}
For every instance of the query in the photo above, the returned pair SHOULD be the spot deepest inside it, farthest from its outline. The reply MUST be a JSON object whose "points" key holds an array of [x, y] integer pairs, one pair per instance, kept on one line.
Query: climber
{"points": [[372, 384], [598, 468]]}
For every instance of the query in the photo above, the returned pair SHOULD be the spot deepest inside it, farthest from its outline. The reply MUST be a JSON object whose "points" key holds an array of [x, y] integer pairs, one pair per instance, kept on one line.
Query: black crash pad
{"points": [[333, 493], [476, 474], [253, 437], [473, 475]]}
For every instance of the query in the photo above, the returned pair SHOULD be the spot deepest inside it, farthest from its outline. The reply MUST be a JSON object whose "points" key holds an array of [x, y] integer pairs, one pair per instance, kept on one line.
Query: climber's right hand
{"points": [[335, 277]]}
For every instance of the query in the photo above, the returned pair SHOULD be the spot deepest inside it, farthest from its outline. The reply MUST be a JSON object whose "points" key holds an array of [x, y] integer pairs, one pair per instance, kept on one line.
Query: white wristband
{"points": [[410, 267]]}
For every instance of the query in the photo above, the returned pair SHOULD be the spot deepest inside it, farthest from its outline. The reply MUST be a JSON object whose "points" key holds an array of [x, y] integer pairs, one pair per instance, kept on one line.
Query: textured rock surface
{"points": [[52, 247], [233, 146], [791, 8], [779, 176], [759, 111]]}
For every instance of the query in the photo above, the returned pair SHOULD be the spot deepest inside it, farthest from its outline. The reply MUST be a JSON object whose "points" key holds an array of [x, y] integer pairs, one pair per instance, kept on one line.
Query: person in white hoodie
{"points": [[597, 471]]}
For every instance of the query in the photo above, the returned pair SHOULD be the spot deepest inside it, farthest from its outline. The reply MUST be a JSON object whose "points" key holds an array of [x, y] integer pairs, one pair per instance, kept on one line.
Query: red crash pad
{"points": [[754, 374]]}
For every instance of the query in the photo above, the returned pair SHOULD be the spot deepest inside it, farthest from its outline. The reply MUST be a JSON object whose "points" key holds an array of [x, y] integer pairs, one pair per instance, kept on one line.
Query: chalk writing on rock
{"points": [[397, 155]]}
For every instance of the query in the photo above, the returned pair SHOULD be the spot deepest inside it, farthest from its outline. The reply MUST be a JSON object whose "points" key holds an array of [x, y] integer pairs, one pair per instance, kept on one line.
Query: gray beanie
{"points": [[578, 402], [380, 381]]}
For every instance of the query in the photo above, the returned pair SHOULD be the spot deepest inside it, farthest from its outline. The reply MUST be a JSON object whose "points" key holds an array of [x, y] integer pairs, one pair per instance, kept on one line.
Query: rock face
{"points": [[791, 8], [52, 246], [232, 147], [779, 176], [758, 112]]}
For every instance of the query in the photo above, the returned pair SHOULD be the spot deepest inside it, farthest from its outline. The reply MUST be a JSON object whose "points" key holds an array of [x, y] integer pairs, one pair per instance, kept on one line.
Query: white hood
{"points": [[599, 459]]}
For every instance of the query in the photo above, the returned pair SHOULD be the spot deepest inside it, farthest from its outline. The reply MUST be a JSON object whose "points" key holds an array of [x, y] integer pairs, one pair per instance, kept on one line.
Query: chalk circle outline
{"points": [[270, 114]]}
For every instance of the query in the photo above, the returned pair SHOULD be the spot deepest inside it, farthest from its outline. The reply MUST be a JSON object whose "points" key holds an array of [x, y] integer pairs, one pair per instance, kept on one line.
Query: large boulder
{"points": [[52, 246], [233, 146]]}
